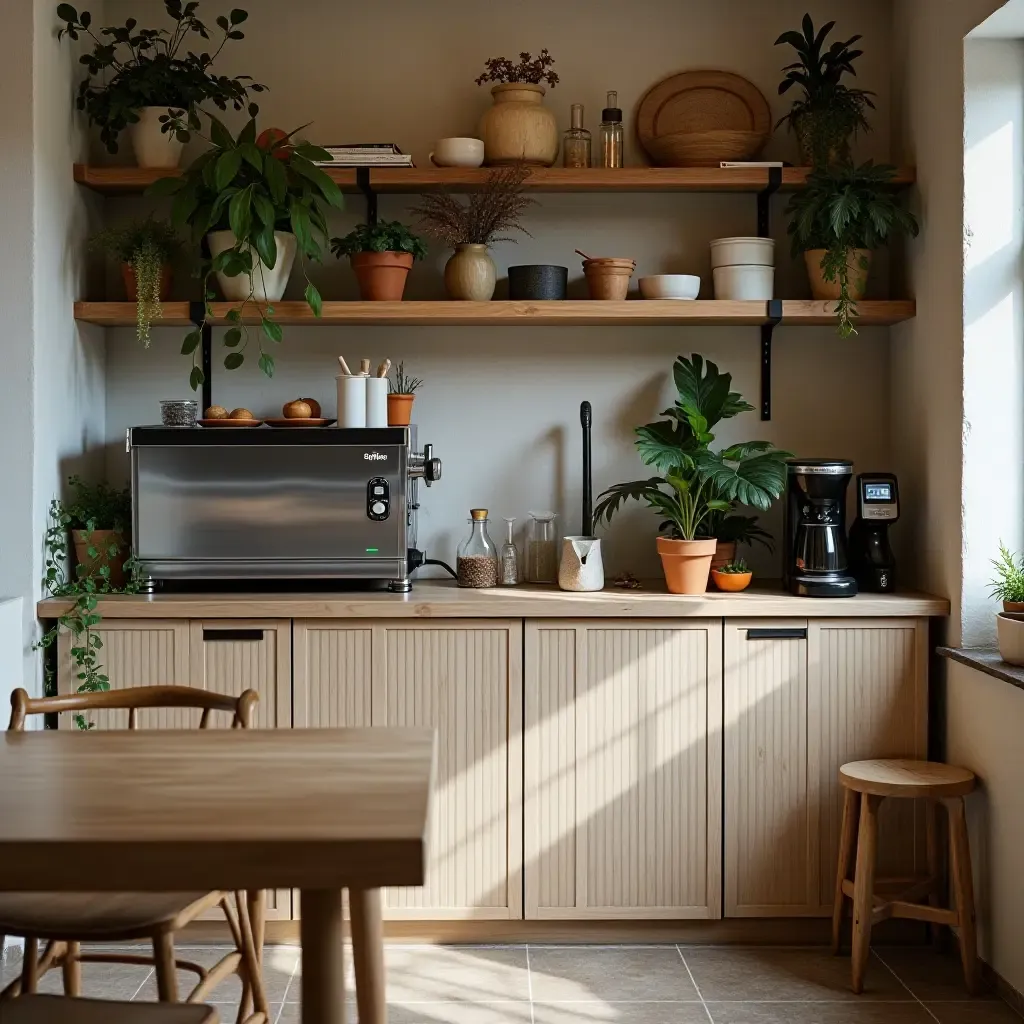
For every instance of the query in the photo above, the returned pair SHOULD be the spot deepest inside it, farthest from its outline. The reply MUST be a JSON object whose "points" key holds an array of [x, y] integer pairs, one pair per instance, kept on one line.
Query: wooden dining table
{"points": [[320, 810]]}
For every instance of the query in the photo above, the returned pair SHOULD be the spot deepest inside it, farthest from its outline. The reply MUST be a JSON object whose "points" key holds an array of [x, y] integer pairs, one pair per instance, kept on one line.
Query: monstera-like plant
{"points": [[697, 489]]}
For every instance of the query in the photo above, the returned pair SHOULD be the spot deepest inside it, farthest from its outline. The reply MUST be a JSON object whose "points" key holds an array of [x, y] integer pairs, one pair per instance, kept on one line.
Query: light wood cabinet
{"points": [[801, 698], [623, 769]]}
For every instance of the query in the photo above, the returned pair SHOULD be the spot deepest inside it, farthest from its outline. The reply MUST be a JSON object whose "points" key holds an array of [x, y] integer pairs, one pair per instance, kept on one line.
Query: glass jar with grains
{"points": [[477, 562]]}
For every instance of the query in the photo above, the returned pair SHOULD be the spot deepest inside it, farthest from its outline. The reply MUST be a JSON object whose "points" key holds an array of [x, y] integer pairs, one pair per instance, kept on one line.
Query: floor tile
{"points": [[938, 977], [619, 1013], [417, 974], [762, 973], [589, 973], [977, 1012], [100, 981], [517, 1012], [844, 1012]]}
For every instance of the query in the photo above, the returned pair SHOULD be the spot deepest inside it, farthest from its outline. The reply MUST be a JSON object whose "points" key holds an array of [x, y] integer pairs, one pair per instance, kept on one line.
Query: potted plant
{"points": [[146, 80], [471, 227], [145, 249], [697, 483], [829, 114], [839, 217], [382, 255], [257, 202], [401, 394], [518, 128], [99, 518], [1008, 584], [732, 577], [730, 530]]}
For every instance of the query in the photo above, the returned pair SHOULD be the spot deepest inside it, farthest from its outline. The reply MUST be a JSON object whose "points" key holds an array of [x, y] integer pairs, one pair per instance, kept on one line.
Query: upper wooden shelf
{"points": [[580, 313], [128, 180]]}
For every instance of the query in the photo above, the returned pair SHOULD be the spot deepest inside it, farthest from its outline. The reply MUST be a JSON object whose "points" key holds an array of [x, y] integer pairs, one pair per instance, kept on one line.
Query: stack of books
{"points": [[367, 154]]}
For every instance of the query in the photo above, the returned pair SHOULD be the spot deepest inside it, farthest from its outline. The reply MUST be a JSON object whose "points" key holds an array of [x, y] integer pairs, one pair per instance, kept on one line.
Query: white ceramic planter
{"points": [[756, 283], [153, 147], [745, 252], [268, 283], [1010, 629]]}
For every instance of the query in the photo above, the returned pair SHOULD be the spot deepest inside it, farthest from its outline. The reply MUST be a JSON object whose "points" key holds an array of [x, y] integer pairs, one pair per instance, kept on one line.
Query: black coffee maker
{"points": [[871, 557], [815, 551]]}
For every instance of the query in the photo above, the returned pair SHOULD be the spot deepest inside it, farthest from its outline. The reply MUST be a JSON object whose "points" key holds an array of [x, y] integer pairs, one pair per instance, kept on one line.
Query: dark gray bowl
{"points": [[537, 281]]}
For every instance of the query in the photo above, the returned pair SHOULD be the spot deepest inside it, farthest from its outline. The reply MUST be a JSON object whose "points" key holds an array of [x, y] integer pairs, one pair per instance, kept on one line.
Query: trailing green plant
{"points": [[1008, 584], [400, 383], [529, 69], [147, 246], [93, 508], [829, 114], [130, 68], [735, 568], [842, 208], [252, 187], [384, 236], [697, 484]]}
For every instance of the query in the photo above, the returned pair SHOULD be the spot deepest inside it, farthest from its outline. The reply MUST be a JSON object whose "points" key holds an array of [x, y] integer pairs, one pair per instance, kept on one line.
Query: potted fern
{"points": [[839, 217], [1008, 584], [697, 484], [381, 255]]}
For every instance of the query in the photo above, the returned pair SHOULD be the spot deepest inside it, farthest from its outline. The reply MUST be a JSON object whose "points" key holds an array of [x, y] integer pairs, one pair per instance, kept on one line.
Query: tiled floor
{"points": [[615, 985]]}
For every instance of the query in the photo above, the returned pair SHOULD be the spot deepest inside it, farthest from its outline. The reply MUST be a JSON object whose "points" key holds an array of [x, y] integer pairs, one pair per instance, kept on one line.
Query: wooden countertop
{"points": [[441, 599]]}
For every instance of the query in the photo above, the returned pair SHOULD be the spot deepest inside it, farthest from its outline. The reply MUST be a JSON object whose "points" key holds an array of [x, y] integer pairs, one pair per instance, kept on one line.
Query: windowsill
{"points": [[988, 661]]}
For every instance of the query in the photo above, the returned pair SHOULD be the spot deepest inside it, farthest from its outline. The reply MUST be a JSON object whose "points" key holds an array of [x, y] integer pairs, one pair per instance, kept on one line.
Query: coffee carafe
{"points": [[816, 563]]}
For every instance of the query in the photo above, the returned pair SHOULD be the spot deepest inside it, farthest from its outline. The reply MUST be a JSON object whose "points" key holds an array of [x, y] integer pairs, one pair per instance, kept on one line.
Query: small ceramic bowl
{"points": [[457, 153], [1010, 630], [669, 286], [731, 582]]}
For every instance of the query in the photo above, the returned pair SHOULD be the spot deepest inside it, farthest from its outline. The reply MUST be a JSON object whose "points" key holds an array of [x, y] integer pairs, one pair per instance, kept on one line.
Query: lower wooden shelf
{"points": [[579, 313]]}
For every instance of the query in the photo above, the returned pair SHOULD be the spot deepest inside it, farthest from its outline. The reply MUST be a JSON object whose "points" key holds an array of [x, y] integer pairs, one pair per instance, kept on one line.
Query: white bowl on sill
{"points": [[1010, 629], [669, 286]]}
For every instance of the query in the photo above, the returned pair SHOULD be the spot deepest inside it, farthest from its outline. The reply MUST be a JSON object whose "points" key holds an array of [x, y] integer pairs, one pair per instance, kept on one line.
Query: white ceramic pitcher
{"points": [[581, 568]]}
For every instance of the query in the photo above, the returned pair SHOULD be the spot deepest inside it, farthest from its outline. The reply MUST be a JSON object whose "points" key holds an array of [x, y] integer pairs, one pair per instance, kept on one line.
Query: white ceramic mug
{"points": [[581, 568], [458, 153]]}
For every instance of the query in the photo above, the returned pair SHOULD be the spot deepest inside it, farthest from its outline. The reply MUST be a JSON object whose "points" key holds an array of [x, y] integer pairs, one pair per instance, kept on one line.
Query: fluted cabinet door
{"points": [[623, 769]]}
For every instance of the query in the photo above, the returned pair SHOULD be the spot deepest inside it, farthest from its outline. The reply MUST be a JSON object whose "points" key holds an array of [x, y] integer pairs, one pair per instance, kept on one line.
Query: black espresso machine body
{"points": [[871, 557], [816, 563]]}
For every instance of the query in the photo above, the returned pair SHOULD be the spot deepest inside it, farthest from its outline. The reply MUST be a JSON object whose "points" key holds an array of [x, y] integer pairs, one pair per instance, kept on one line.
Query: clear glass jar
{"points": [[576, 141], [611, 132], [509, 556], [477, 563], [542, 548]]}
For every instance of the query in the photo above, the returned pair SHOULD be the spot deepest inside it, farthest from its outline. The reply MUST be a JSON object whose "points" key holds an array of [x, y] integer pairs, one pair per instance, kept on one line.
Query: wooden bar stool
{"points": [[65, 1010], [866, 784]]}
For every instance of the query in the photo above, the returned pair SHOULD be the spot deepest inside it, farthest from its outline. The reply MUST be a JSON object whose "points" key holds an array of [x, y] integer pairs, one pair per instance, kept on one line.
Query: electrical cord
{"points": [[444, 565]]}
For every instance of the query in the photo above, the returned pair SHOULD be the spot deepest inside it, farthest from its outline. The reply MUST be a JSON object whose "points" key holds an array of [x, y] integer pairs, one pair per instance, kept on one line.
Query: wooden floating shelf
{"points": [[129, 180], [578, 313]]}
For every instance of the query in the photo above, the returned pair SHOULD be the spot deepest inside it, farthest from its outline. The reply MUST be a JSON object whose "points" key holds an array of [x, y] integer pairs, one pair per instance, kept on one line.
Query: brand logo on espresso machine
{"points": [[375, 457]]}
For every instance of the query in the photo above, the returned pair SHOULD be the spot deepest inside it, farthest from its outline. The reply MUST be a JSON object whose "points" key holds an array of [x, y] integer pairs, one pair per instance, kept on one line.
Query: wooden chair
{"points": [[65, 920], [866, 784], [61, 1010]]}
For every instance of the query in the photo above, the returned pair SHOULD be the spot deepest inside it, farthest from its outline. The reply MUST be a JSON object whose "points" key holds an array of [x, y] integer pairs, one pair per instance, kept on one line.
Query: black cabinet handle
{"points": [[224, 635], [783, 633]]}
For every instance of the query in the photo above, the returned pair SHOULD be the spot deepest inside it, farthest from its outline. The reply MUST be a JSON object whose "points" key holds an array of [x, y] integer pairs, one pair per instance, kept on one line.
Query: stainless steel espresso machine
{"points": [[256, 503]]}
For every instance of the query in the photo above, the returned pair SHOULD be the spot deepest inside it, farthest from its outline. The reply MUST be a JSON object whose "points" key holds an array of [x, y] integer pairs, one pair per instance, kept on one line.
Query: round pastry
{"points": [[216, 412], [241, 414], [298, 410], [314, 407]]}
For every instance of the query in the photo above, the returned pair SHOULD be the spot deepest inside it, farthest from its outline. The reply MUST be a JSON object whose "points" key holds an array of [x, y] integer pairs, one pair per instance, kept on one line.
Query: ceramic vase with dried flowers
{"points": [[471, 227], [518, 128]]}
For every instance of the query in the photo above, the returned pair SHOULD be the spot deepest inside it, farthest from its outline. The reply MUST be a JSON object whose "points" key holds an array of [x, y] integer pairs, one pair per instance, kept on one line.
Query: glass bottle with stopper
{"points": [[509, 556], [477, 562], [576, 141], [611, 132]]}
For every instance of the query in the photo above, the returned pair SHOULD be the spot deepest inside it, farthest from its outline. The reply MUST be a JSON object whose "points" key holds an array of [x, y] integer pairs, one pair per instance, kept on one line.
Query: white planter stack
{"points": [[743, 268]]}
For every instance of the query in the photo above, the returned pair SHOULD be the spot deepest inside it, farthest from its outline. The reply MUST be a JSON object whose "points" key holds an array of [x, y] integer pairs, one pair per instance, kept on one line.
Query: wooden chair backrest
{"points": [[131, 698]]}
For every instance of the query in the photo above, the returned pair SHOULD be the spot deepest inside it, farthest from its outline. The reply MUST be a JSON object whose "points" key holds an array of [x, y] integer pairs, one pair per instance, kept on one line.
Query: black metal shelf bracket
{"points": [[767, 329], [764, 201], [363, 182], [197, 314]]}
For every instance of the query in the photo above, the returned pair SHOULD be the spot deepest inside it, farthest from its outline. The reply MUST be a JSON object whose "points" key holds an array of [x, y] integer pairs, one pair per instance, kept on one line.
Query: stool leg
{"points": [[847, 849], [963, 888], [864, 887], [931, 821]]}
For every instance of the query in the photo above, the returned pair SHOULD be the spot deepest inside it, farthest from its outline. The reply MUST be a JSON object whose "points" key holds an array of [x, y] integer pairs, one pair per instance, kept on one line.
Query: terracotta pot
{"points": [[131, 288], [154, 147], [101, 541], [268, 283], [400, 410], [725, 552], [519, 129], [857, 260], [686, 564], [731, 582], [608, 278], [1013, 606], [470, 274], [381, 275]]}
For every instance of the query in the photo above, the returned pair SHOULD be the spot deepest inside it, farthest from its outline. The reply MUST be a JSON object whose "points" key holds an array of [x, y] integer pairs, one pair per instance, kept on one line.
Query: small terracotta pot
{"points": [[857, 260], [1013, 606], [686, 564], [381, 275], [101, 541], [725, 552], [608, 278], [400, 410], [131, 285], [731, 582]]}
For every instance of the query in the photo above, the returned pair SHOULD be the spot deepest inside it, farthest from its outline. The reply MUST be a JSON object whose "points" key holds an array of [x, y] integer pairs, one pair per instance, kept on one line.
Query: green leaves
{"points": [[233, 360], [227, 166], [267, 364], [191, 343], [272, 329], [196, 378], [313, 300]]}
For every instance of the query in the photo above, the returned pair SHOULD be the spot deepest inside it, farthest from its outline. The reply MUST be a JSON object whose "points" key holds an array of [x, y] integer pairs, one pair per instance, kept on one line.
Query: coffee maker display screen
{"points": [[878, 492]]}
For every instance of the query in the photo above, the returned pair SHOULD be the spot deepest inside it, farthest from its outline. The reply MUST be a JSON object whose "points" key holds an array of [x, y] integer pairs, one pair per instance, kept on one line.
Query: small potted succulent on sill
{"points": [[401, 394], [154, 88], [1008, 587], [145, 250], [471, 227], [381, 255], [733, 577], [518, 128], [839, 217]]}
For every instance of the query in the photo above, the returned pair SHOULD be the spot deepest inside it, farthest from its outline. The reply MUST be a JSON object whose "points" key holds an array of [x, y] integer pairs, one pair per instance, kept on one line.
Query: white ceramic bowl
{"points": [[743, 252], [1010, 628], [458, 153], [744, 282], [669, 286]]}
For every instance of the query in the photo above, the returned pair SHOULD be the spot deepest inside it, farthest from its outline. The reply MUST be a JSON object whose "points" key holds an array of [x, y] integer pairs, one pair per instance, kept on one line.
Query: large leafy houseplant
{"points": [[130, 68], [829, 113], [257, 188], [839, 217]]}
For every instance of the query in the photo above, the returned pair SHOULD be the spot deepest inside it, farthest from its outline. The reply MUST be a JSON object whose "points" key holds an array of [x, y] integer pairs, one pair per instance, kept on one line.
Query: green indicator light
{"points": [[372, 551]]}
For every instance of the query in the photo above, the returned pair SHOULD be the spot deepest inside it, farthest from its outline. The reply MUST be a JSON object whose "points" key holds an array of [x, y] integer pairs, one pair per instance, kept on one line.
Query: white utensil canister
{"points": [[581, 568], [744, 283], [352, 401], [376, 401]]}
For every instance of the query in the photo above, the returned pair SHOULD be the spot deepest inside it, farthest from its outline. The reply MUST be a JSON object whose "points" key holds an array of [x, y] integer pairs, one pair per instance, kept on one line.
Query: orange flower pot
{"points": [[858, 265], [686, 563], [381, 275], [101, 541], [400, 410], [731, 582], [131, 285]]}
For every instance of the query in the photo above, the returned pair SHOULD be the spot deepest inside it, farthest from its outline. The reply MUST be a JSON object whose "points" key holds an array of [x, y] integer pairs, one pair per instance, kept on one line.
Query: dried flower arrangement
{"points": [[496, 207], [533, 70]]}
